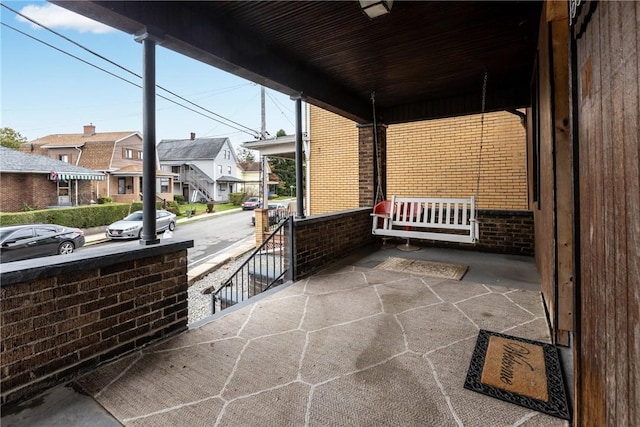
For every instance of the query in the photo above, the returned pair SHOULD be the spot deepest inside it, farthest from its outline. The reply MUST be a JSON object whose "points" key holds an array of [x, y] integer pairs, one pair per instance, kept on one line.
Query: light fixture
{"points": [[375, 8]]}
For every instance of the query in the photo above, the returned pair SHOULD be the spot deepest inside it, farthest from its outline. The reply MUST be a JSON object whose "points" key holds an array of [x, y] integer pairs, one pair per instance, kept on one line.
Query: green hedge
{"points": [[237, 198], [80, 216]]}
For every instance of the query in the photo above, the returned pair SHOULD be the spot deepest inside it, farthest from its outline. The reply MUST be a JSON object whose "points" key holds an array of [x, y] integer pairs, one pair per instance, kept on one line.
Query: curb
{"points": [[197, 273]]}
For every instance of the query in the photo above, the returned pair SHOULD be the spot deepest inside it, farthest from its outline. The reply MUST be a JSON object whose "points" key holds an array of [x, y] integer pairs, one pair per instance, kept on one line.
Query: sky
{"points": [[44, 91]]}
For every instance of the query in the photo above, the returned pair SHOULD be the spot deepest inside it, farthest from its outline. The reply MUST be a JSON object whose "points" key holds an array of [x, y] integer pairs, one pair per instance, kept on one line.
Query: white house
{"points": [[207, 167]]}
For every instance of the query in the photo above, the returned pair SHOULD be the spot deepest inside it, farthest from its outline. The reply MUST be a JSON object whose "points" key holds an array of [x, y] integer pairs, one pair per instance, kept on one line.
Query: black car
{"points": [[18, 242]]}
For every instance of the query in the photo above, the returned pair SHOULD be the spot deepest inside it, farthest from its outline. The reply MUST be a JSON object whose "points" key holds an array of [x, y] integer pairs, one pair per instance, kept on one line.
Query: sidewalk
{"points": [[97, 235]]}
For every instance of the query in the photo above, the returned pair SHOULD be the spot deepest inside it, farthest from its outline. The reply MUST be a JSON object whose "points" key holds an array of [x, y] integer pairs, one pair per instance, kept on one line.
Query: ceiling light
{"points": [[375, 8]]}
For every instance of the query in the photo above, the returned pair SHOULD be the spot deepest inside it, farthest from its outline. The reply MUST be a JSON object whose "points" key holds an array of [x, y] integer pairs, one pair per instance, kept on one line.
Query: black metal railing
{"points": [[265, 268]]}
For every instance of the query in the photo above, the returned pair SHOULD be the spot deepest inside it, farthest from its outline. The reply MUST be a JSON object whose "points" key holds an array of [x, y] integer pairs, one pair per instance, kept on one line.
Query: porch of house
{"points": [[350, 345]]}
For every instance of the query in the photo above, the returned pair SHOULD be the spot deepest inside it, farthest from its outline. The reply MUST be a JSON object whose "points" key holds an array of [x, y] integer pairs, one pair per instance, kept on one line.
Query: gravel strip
{"points": [[199, 303]]}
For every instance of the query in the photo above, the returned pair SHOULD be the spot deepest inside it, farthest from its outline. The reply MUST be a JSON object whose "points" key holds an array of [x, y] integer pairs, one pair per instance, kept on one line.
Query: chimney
{"points": [[193, 136], [89, 130]]}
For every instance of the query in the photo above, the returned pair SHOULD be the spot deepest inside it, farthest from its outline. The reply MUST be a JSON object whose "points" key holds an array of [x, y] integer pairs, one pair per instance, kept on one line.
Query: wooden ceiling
{"points": [[423, 60]]}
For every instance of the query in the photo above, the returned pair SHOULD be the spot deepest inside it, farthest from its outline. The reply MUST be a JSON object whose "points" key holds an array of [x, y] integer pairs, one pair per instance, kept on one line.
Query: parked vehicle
{"points": [[18, 242], [277, 212], [251, 203], [131, 226]]}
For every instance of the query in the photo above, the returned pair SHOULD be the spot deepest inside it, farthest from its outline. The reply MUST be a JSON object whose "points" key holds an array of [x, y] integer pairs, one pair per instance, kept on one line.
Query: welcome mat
{"points": [[427, 268], [519, 371]]}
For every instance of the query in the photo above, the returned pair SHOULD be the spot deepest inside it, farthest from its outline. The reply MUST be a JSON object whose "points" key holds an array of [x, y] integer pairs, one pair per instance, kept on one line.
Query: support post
{"points": [[299, 159], [149, 236]]}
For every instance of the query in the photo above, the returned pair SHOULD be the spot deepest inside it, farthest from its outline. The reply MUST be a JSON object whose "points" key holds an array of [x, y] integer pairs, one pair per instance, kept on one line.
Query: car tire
{"points": [[65, 248], [140, 234], [172, 226]]}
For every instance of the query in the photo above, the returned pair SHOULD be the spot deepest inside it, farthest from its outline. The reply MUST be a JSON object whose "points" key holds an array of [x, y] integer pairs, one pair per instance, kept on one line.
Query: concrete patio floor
{"points": [[352, 346]]}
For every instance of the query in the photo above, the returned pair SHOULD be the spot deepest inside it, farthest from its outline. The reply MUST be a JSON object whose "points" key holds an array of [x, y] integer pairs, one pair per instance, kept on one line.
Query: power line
{"points": [[124, 80], [278, 107], [253, 132]]}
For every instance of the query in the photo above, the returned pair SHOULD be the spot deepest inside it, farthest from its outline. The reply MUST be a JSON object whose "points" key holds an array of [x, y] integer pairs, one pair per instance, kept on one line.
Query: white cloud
{"points": [[53, 16]]}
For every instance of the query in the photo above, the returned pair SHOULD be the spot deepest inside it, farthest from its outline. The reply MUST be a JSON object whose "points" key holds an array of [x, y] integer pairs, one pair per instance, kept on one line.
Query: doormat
{"points": [[519, 371], [427, 268]]}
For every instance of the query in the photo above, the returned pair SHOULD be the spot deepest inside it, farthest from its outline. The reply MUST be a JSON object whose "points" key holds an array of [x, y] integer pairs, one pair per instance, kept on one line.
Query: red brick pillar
{"points": [[372, 163]]}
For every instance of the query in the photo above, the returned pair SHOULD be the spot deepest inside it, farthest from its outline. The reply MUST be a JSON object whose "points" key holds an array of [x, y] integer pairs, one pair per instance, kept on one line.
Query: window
{"points": [[139, 155], [164, 185], [45, 231], [222, 187], [175, 169], [25, 233], [219, 169], [229, 169], [128, 153], [64, 158]]}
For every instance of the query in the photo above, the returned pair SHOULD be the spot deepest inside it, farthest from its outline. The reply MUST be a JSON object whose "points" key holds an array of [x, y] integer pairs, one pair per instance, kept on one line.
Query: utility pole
{"points": [[263, 135], [263, 115]]}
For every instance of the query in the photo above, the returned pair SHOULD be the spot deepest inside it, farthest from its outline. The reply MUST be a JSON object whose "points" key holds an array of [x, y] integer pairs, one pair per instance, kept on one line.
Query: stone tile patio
{"points": [[352, 346]]}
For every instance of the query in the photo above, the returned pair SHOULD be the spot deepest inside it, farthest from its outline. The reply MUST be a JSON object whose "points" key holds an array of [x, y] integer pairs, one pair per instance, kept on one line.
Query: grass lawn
{"points": [[201, 208]]}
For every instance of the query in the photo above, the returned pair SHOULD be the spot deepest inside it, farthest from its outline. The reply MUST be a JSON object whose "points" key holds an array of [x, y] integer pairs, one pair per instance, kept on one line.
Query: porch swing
{"points": [[441, 219]]}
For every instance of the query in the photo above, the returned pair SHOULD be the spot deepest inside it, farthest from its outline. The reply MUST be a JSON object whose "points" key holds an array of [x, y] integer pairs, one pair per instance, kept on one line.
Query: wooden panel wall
{"points": [[551, 166], [607, 352]]}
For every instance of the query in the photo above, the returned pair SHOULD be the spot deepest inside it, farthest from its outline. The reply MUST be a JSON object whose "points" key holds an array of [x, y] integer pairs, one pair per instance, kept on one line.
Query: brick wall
{"points": [[505, 232], [324, 239], [429, 158], [439, 158], [18, 189], [36, 191], [63, 318], [333, 162]]}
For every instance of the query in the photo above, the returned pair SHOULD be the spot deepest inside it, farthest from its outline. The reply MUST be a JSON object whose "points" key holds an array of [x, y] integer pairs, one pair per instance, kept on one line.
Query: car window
{"points": [[25, 233], [136, 216], [5, 233], [46, 231], [161, 214]]}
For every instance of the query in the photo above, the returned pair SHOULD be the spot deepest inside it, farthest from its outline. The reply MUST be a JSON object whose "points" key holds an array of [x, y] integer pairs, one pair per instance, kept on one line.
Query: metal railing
{"points": [[265, 268]]}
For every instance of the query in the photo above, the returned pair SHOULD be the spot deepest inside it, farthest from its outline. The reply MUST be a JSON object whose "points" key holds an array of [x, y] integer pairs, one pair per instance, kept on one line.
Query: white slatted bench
{"points": [[442, 219]]}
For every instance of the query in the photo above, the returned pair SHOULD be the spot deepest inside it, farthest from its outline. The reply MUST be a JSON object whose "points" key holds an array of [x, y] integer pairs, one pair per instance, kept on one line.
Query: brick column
{"points": [[368, 164], [262, 221]]}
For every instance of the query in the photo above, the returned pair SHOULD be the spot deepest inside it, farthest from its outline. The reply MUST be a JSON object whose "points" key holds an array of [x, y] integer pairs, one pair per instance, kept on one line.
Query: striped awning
{"points": [[69, 176]]}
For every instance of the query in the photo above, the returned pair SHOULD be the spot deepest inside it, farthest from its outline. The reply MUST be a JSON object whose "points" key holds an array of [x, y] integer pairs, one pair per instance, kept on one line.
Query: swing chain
{"points": [[379, 195], [484, 98]]}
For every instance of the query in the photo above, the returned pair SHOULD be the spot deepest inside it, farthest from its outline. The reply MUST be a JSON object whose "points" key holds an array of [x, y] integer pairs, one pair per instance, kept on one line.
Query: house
{"points": [[251, 174], [116, 154], [572, 65], [34, 181], [206, 168], [280, 147]]}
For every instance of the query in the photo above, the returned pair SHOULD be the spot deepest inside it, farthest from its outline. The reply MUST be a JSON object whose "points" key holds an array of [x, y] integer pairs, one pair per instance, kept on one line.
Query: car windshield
{"points": [[136, 216]]}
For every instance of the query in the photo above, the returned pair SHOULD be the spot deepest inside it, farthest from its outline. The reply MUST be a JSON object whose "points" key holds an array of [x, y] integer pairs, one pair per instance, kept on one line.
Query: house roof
{"points": [[79, 139], [190, 149], [97, 155], [227, 178], [250, 166], [136, 170], [423, 60], [18, 162]]}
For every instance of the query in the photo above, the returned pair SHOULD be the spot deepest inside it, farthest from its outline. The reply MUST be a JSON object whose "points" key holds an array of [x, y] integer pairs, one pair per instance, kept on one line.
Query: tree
{"points": [[246, 156], [286, 171], [11, 139], [280, 133]]}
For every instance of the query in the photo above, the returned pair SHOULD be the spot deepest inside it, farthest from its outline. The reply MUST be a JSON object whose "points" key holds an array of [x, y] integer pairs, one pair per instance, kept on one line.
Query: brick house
{"points": [[116, 154], [36, 181]]}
